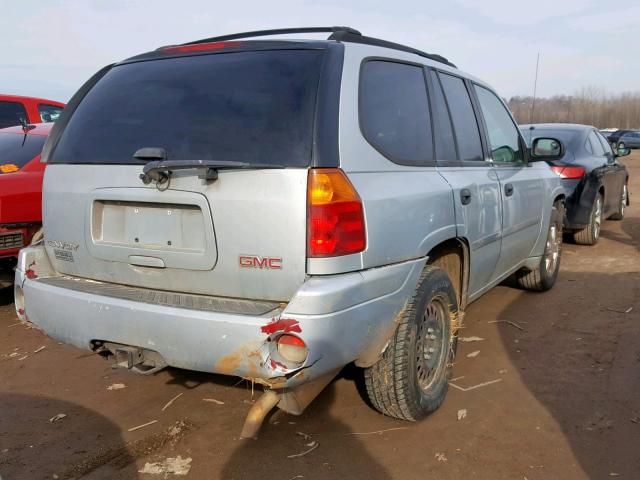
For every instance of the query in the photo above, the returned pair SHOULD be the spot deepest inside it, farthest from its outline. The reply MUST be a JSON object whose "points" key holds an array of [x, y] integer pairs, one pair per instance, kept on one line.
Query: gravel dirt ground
{"points": [[564, 402]]}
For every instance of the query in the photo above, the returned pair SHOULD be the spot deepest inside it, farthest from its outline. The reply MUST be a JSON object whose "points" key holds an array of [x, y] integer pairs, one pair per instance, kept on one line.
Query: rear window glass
{"points": [[12, 114], [394, 111], [18, 150], [255, 107], [569, 138]]}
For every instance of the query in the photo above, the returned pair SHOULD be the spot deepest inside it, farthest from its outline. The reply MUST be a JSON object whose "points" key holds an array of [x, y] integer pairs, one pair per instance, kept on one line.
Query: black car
{"points": [[594, 180]]}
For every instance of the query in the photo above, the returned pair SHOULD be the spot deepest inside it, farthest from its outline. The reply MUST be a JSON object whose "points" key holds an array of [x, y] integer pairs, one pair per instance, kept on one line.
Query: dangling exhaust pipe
{"points": [[291, 400], [258, 412]]}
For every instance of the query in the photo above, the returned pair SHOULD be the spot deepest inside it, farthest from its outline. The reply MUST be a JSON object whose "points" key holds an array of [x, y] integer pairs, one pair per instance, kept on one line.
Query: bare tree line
{"points": [[590, 106]]}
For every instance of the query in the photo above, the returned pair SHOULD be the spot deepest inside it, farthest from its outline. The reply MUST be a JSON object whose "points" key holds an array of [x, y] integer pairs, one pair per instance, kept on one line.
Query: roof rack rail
{"points": [[339, 34], [279, 31], [346, 36]]}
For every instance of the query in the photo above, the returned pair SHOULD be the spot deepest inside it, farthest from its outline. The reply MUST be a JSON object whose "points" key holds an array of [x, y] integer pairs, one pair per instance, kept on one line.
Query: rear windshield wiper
{"points": [[160, 168]]}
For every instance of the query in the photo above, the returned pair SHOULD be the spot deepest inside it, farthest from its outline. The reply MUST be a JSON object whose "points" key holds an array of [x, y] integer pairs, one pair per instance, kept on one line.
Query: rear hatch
{"points": [[242, 234]]}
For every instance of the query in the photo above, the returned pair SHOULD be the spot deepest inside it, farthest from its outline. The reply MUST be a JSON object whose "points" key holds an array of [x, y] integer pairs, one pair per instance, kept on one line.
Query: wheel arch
{"points": [[559, 198], [452, 256]]}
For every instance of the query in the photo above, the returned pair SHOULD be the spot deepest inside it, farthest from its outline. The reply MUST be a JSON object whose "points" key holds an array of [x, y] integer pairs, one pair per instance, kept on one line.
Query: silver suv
{"points": [[277, 209]]}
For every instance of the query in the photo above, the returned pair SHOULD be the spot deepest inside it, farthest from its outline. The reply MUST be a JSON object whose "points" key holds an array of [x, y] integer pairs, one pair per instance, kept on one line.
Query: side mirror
{"points": [[504, 154], [546, 149], [622, 151]]}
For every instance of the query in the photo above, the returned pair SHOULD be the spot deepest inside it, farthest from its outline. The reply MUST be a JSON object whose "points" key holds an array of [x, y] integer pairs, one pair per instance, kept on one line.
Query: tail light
{"points": [[292, 349], [335, 216], [569, 173]]}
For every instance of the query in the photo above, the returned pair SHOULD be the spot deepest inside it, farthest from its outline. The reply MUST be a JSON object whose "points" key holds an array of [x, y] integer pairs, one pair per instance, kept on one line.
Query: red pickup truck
{"points": [[21, 175], [16, 110]]}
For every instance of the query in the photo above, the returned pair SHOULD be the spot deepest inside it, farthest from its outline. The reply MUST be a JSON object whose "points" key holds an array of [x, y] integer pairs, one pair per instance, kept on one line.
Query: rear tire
{"points": [[591, 234], [619, 215], [411, 379], [544, 276]]}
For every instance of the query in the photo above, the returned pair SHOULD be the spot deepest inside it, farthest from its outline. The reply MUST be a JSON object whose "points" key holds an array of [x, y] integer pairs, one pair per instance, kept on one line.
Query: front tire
{"points": [[543, 277], [591, 233], [411, 379], [619, 215]]}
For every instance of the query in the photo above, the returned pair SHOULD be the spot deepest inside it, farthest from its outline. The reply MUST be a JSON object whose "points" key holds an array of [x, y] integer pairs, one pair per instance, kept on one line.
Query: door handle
{"points": [[508, 189], [465, 196]]}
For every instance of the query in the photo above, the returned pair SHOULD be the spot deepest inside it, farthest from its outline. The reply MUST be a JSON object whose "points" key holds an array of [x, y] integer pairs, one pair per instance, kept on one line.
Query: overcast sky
{"points": [[50, 47]]}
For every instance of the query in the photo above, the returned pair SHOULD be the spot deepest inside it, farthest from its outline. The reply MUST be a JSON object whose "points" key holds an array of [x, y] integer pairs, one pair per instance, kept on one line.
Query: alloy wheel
{"points": [[597, 217], [552, 251]]}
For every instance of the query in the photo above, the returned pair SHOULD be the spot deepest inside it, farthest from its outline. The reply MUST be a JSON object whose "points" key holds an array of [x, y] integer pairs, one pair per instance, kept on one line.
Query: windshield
{"points": [[255, 107], [17, 149]]}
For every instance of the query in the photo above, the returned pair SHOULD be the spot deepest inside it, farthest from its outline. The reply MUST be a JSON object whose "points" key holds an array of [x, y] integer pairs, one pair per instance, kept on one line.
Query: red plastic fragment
{"points": [[285, 325], [31, 274], [277, 365]]}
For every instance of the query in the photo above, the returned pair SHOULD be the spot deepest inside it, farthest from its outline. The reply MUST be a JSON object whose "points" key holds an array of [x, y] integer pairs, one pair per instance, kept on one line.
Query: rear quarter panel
{"points": [[408, 210]]}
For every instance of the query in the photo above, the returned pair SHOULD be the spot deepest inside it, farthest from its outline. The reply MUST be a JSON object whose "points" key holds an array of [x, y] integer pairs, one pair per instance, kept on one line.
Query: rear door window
{"points": [[394, 111], [12, 114], [463, 116], [18, 150], [49, 113], [255, 107]]}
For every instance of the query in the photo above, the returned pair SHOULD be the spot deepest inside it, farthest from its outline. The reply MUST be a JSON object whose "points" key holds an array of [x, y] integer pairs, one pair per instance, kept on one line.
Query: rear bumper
{"points": [[341, 318]]}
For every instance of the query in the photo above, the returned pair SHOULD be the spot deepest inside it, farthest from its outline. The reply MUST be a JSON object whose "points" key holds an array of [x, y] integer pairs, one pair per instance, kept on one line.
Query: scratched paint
{"points": [[285, 325]]}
